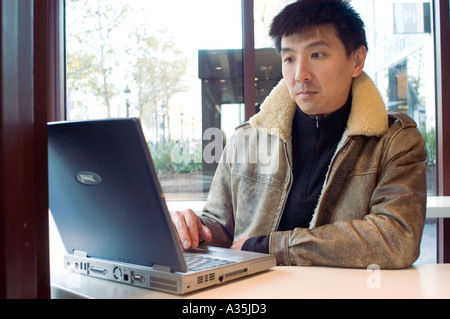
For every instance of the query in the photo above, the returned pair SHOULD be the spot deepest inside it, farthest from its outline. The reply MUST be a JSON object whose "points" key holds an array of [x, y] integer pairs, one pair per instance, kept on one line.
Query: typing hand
{"points": [[190, 229]]}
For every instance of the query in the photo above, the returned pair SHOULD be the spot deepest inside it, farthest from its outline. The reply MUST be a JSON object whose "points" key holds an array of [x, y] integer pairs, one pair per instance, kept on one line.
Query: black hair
{"points": [[302, 15]]}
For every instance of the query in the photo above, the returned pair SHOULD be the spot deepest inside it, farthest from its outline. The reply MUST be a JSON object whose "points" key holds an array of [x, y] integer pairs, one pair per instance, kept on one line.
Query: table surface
{"points": [[427, 281], [438, 207]]}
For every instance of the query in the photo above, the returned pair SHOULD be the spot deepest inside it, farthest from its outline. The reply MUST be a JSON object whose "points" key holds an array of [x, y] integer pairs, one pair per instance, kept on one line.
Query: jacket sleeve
{"points": [[388, 234]]}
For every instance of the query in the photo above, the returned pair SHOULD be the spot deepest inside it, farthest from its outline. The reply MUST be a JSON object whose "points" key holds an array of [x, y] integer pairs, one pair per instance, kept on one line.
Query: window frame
{"points": [[442, 43]]}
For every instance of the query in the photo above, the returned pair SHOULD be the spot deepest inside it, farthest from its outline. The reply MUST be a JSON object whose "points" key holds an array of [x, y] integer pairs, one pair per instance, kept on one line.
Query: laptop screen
{"points": [[105, 197]]}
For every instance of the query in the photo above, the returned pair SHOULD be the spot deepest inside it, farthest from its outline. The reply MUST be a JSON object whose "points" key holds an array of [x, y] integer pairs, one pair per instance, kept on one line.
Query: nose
{"points": [[303, 71]]}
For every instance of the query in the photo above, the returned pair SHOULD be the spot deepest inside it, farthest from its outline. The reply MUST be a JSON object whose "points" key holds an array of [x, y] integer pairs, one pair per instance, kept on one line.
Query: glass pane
{"points": [[267, 61], [401, 62], [172, 63], [264, 12]]}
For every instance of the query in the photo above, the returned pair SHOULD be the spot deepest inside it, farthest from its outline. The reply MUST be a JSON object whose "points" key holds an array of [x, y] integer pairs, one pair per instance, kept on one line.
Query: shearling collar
{"points": [[368, 115]]}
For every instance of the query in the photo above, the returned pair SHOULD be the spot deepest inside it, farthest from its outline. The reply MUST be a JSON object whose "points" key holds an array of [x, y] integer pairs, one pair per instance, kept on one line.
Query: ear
{"points": [[360, 60]]}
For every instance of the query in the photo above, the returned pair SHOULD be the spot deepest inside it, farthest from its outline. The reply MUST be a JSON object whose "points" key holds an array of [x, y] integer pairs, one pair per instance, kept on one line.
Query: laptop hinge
{"points": [[79, 253], [161, 268]]}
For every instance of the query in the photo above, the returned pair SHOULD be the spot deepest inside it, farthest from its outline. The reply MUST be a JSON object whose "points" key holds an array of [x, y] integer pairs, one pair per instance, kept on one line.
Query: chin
{"points": [[311, 111]]}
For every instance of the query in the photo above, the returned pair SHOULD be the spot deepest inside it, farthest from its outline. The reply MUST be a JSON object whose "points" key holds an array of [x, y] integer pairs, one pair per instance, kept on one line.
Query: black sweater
{"points": [[314, 142]]}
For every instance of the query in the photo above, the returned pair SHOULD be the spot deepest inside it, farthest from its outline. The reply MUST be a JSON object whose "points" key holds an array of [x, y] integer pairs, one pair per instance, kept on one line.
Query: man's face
{"points": [[318, 71]]}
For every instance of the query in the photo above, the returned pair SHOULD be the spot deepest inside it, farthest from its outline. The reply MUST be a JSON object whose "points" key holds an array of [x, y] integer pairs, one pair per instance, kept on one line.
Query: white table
{"points": [[438, 207], [428, 281]]}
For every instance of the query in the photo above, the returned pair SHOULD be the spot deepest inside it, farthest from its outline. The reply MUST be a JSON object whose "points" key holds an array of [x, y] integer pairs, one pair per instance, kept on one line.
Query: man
{"points": [[349, 189]]}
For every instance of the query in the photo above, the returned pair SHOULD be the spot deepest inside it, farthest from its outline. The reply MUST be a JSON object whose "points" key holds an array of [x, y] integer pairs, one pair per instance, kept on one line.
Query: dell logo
{"points": [[88, 178]]}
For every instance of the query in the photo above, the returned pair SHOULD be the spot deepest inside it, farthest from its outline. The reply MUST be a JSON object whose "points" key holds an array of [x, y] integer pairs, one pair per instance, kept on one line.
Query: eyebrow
{"points": [[318, 43], [310, 45]]}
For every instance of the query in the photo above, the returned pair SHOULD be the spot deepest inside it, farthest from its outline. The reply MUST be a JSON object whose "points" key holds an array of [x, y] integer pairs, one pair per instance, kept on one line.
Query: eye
{"points": [[288, 60], [317, 55]]}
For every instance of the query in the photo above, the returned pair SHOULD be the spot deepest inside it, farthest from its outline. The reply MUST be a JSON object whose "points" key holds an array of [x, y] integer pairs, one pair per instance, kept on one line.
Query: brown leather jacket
{"points": [[372, 206]]}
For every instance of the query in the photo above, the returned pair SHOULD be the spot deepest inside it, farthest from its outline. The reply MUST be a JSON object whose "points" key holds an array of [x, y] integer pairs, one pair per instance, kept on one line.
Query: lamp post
{"points": [[127, 92], [181, 126]]}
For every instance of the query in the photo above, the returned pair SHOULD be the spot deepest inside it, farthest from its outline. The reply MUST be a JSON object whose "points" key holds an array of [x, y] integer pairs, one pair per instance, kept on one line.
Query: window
{"points": [[175, 64], [267, 61], [401, 62]]}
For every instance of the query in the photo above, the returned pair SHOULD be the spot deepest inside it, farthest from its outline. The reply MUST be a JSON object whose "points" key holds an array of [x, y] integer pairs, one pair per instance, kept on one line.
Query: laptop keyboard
{"points": [[199, 262]]}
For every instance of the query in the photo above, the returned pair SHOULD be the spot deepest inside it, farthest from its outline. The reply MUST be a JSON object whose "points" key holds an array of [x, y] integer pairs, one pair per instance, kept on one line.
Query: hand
{"points": [[238, 243], [190, 229]]}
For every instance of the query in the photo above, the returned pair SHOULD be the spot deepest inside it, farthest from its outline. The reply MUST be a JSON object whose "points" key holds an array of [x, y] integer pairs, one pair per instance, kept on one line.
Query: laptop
{"points": [[112, 217]]}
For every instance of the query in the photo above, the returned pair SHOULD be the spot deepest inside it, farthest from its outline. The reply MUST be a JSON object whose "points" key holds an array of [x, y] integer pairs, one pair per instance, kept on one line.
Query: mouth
{"points": [[306, 94]]}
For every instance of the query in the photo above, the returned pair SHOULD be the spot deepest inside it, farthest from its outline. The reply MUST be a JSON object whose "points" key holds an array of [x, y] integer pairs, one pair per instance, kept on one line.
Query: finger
{"points": [[178, 219], [192, 223]]}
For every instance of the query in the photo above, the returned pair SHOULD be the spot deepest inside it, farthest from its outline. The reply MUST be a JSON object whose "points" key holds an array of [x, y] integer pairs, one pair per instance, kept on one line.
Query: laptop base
{"points": [[161, 278]]}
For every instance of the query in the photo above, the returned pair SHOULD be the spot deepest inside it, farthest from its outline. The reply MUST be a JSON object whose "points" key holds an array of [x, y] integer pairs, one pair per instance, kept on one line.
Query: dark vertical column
{"points": [[442, 13], [28, 94], [248, 45], [49, 46]]}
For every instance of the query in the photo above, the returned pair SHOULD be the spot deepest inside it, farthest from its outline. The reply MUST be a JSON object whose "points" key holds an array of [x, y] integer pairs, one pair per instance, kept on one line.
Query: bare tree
{"points": [[147, 59], [92, 57], [158, 72]]}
